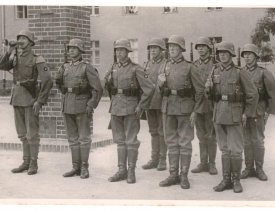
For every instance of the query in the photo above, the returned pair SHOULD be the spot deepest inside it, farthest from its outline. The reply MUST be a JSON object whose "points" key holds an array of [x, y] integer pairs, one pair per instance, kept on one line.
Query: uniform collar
{"points": [[76, 62], [25, 52], [127, 62], [205, 61], [177, 60], [252, 68], [158, 59], [231, 65]]}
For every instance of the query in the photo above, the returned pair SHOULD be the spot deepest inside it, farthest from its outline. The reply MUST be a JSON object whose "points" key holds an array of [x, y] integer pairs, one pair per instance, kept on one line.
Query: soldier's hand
{"points": [[244, 119], [36, 108], [209, 83], [161, 79], [138, 112], [193, 118], [89, 111], [266, 115]]}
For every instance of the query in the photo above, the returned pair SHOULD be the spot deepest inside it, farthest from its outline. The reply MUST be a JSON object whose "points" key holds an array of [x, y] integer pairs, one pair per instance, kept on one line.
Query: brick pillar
{"points": [[53, 26]]}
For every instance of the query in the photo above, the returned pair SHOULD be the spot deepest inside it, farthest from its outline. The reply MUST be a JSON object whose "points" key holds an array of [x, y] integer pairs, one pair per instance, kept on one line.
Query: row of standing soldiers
{"points": [[227, 104]]}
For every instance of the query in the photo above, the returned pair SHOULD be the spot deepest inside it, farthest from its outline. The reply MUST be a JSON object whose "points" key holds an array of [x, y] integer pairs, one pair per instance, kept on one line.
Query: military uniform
{"points": [[154, 114], [80, 84], [233, 95], [204, 124], [254, 148], [182, 95], [28, 70]]}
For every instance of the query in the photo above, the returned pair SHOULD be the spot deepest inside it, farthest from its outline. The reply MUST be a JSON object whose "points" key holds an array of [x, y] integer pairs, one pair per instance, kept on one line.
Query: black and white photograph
{"points": [[137, 105]]}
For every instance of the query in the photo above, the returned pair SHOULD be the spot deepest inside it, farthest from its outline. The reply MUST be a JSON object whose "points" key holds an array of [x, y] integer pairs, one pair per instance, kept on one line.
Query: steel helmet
{"points": [[26, 34], [123, 43], [157, 42], [226, 46], [250, 48], [204, 41], [179, 40], [75, 42]]}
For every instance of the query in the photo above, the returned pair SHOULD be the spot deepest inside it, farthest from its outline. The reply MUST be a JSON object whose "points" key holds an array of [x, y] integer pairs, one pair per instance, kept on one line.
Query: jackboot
{"points": [[26, 159], [34, 149], [76, 161], [162, 154], [84, 155], [153, 163], [236, 167], [122, 160], [132, 160], [185, 161], [173, 178], [249, 170], [226, 183], [203, 166], [212, 151], [259, 161]]}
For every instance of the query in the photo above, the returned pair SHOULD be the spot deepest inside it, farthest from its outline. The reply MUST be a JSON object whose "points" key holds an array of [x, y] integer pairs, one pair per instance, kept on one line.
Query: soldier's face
{"points": [[174, 50], [203, 50], [154, 51], [121, 54], [225, 56], [249, 58], [23, 42], [74, 52]]}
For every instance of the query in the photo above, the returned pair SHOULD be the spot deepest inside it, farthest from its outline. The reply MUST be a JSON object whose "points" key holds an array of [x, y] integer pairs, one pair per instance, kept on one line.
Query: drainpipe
{"points": [[3, 36]]}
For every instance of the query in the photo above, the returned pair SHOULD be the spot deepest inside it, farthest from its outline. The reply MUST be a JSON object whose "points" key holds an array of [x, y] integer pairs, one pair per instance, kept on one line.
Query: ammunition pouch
{"points": [[126, 92], [185, 92]]}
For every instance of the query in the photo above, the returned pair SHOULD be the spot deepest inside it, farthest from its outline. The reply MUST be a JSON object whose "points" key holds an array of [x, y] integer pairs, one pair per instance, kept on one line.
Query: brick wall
{"points": [[54, 26]]}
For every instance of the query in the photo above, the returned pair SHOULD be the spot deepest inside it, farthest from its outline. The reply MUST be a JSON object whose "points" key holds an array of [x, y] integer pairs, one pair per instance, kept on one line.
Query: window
{"points": [[95, 11], [95, 53], [131, 10], [214, 8], [168, 10], [21, 12], [134, 54]]}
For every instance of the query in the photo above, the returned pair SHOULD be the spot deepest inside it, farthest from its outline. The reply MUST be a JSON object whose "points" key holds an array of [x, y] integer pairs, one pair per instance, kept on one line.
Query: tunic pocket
{"points": [[81, 103], [237, 112]]}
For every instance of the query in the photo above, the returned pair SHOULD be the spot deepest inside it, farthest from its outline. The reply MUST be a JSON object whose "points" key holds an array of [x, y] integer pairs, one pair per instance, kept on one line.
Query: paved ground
{"points": [[49, 183]]}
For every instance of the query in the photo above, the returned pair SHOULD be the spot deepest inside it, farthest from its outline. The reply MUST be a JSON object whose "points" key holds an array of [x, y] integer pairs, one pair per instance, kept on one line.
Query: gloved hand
{"points": [[89, 111], [36, 108], [138, 112]]}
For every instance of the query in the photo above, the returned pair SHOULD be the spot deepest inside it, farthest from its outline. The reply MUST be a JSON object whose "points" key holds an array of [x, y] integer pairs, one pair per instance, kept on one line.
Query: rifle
{"points": [[191, 52], [65, 53], [239, 57]]}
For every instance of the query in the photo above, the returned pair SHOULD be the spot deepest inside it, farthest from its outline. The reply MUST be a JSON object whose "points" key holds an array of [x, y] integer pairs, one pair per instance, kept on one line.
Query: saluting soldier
{"points": [[81, 88], [254, 148], [182, 89], [127, 79], [204, 122], [235, 98], [152, 67], [31, 87]]}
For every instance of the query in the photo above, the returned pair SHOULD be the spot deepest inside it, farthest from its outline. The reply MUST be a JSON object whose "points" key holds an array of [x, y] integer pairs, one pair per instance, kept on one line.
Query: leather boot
{"points": [[76, 161], [212, 151], [26, 159], [236, 167], [173, 178], [122, 160], [153, 163], [249, 170], [132, 160], [84, 155], [203, 166], [162, 154], [34, 149], [226, 182], [185, 161], [259, 161]]}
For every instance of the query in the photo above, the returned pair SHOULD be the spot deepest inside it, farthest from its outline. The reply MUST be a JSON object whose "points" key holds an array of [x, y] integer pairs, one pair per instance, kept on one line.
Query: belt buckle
{"points": [[17, 83], [120, 91], [70, 90], [225, 97], [174, 92]]}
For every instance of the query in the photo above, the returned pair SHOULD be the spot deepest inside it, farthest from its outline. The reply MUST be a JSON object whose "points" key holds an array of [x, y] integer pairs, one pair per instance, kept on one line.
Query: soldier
{"points": [[182, 89], [254, 129], [127, 79], [204, 123], [154, 115], [235, 98], [31, 87], [81, 88]]}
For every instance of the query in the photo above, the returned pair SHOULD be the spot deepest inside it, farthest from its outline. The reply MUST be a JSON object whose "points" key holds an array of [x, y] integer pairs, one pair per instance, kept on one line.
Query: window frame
{"points": [[95, 49], [24, 12], [127, 13]]}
